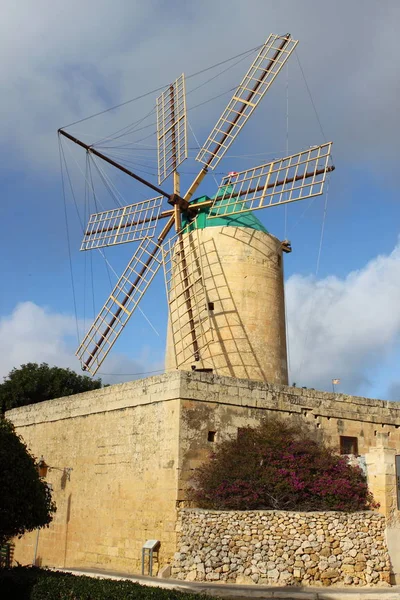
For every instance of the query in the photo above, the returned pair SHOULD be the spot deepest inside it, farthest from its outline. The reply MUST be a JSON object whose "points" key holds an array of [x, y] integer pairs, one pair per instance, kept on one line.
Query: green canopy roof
{"points": [[244, 219]]}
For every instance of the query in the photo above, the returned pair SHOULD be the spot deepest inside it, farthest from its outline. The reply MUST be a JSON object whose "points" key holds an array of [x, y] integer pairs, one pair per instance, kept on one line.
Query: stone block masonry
{"points": [[282, 548], [121, 442], [133, 448]]}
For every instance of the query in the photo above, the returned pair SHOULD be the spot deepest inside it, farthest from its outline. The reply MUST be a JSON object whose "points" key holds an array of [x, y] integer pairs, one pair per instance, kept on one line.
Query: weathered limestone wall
{"points": [[243, 276], [286, 548], [222, 405], [122, 444], [133, 448]]}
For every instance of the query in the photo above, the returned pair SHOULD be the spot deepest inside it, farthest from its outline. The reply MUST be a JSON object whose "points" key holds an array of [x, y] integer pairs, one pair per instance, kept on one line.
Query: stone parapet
{"points": [[140, 392], [207, 387]]}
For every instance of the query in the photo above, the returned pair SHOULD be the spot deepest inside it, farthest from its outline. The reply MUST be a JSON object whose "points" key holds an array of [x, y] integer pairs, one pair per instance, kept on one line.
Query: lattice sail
{"points": [[270, 60], [171, 128], [120, 225], [120, 305], [187, 297], [288, 179]]}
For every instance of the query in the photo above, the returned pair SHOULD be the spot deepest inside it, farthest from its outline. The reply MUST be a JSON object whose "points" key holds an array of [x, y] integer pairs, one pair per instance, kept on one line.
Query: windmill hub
{"points": [[184, 205], [176, 200]]}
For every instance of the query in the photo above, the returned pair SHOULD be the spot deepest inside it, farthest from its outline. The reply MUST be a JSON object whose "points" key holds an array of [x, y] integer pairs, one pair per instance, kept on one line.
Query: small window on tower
{"points": [[211, 436], [348, 445], [211, 306]]}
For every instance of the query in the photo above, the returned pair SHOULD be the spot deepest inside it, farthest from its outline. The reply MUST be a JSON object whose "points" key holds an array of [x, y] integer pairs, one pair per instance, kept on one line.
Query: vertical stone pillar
{"points": [[381, 474]]}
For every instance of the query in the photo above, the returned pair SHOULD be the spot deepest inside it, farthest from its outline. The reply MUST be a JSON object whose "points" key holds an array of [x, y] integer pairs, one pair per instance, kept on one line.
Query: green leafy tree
{"points": [[279, 465], [33, 383], [25, 500]]}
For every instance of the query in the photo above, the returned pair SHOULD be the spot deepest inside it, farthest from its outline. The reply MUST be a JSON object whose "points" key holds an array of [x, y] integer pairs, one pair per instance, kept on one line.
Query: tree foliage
{"points": [[33, 383], [280, 466], [25, 500]]}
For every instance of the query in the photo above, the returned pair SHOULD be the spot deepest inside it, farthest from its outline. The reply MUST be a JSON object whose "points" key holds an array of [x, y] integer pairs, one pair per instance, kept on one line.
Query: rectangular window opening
{"points": [[348, 445], [211, 436]]}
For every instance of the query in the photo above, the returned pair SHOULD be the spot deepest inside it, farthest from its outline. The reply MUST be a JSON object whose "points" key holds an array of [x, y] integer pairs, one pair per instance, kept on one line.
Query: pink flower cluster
{"points": [[275, 466]]}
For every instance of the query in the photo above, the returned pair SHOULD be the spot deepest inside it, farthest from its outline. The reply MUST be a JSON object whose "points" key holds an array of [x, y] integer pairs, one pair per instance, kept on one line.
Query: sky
{"points": [[63, 62]]}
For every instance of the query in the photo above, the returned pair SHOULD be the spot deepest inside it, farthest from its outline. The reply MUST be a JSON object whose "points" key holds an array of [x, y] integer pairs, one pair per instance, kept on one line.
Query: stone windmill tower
{"points": [[223, 270], [244, 333]]}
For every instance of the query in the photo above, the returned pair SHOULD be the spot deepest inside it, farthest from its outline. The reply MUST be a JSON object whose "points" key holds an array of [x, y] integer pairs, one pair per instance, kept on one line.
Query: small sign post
{"points": [[149, 547]]}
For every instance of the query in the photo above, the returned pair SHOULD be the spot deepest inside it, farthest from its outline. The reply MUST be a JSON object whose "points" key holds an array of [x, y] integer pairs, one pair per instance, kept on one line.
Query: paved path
{"points": [[245, 592]]}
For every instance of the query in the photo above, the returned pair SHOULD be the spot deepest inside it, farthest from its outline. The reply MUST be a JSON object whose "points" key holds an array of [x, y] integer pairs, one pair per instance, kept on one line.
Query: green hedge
{"points": [[30, 583]]}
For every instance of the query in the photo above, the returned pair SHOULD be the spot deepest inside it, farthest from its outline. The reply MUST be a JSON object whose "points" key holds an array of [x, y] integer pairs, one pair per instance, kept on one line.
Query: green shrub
{"points": [[279, 465], [22, 583], [33, 383], [25, 500]]}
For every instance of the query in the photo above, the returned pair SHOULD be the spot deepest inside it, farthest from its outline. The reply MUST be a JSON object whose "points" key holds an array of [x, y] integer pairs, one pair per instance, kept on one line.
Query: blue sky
{"points": [[69, 60]]}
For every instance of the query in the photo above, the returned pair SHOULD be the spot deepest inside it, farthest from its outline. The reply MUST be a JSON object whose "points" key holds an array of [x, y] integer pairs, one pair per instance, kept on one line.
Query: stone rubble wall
{"points": [[284, 548]]}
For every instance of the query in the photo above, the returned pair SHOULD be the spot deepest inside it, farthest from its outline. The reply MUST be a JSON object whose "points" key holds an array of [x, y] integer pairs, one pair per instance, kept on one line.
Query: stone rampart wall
{"points": [[286, 548], [133, 448], [121, 443]]}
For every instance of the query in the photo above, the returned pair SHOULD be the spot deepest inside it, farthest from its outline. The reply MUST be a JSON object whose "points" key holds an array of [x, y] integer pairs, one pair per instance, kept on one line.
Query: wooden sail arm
{"points": [[284, 181], [248, 99], [121, 304], [168, 213]]}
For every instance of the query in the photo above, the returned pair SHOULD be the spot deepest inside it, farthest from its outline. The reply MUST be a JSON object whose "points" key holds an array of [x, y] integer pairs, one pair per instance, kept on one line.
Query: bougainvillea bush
{"points": [[279, 465]]}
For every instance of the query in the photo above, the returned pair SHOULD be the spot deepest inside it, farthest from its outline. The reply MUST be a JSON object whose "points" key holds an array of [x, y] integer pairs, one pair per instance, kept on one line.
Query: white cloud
{"points": [[32, 333], [68, 60], [344, 328], [63, 61]]}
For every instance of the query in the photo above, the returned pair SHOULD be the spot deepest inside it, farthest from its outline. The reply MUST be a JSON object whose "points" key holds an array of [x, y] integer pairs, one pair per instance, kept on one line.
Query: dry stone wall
{"points": [[285, 548]]}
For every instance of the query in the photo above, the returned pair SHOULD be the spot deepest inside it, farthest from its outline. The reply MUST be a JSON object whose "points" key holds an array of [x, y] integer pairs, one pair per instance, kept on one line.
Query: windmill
{"points": [[217, 243]]}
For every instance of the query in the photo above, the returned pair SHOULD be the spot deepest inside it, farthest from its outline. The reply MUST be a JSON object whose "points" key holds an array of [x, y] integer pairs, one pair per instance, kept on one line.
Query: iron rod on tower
{"points": [[113, 163]]}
